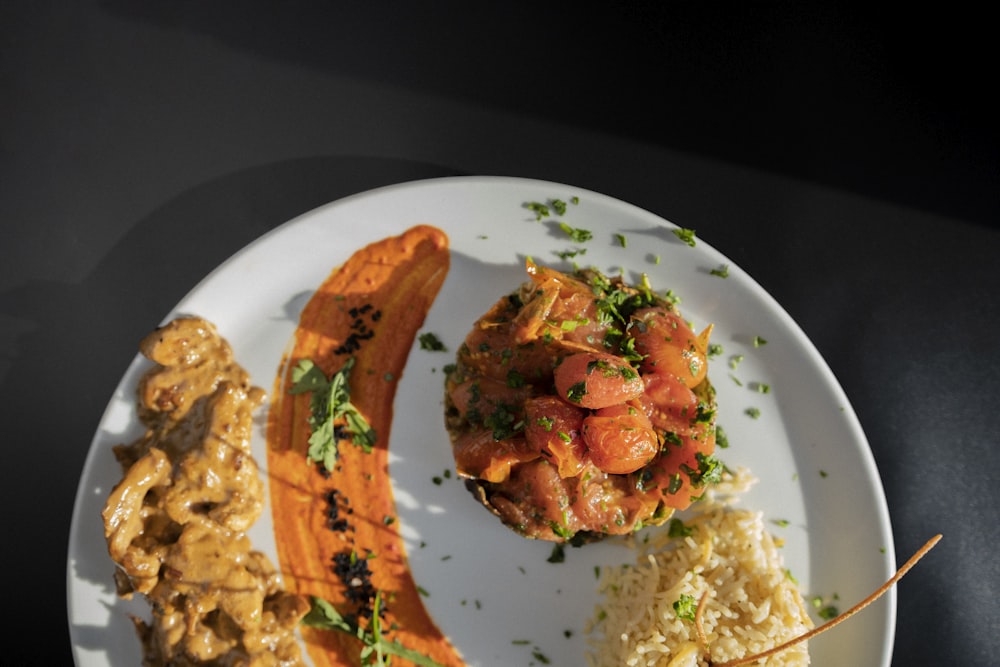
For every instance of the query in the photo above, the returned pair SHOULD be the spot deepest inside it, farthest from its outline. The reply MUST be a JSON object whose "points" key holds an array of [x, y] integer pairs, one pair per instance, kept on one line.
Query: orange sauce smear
{"points": [[369, 308]]}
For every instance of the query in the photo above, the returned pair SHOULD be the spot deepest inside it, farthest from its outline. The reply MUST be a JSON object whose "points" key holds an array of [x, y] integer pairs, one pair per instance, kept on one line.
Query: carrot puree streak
{"points": [[370, 308]]}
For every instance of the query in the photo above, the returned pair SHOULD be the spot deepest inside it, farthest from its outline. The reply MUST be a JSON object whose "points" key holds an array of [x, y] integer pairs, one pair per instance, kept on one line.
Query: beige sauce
{"points": [[175, 524]]}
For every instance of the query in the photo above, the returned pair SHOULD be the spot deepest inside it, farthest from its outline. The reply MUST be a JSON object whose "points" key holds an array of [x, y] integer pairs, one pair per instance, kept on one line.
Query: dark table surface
{"points": [[845, 158]]}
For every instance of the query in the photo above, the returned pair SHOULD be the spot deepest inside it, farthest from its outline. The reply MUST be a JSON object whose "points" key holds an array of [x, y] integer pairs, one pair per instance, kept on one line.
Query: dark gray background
{"points": [[846, 158]]}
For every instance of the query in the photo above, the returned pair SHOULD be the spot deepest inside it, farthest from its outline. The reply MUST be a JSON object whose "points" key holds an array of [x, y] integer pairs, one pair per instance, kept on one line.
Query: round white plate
{"points": [[492, 592]]}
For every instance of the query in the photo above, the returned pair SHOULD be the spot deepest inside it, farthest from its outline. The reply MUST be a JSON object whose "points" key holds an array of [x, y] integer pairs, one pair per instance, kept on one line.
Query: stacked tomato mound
{"points": [[580, 407]]}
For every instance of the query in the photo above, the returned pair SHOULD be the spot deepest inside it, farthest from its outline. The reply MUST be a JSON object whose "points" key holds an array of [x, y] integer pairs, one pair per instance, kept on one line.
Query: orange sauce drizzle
{"points": [[369, 308]]}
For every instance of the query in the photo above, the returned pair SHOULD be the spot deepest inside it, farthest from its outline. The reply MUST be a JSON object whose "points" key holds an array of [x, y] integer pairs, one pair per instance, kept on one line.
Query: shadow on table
{"points": [[852, 100]]}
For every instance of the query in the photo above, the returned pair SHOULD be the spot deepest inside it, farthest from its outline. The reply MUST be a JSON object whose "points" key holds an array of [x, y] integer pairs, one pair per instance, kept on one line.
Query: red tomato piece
{"points": [[620, 439], [597, 380], [670, 346], [670, 404]]}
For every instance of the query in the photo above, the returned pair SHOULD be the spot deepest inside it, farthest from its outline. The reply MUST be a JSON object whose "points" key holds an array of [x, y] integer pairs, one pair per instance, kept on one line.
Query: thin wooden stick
{"points": [[841, 618], [700, 627]]}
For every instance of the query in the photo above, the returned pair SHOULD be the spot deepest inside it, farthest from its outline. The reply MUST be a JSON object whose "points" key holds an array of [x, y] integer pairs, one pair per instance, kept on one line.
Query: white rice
{"points": [[752, 604]]}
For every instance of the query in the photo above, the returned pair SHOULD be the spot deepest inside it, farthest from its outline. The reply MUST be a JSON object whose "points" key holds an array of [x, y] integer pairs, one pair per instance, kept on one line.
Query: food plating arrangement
{"points": [[575, 406]]}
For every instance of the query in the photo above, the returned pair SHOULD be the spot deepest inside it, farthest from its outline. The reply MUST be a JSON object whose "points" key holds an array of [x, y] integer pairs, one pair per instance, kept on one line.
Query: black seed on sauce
{"points": [[354, 573], [359, 329], [335, 521]]}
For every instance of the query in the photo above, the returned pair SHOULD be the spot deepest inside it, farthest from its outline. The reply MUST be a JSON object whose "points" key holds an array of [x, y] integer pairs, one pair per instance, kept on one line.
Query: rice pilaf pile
{"points": [[752, 604]]}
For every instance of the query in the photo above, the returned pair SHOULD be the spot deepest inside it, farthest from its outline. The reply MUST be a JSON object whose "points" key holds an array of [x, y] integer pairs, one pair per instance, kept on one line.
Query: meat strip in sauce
{"points": [[176, 523]]}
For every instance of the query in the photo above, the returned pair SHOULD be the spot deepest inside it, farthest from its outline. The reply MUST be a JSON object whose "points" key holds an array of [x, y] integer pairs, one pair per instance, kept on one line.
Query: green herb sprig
{"points": [[376, 648], [333, 414]]}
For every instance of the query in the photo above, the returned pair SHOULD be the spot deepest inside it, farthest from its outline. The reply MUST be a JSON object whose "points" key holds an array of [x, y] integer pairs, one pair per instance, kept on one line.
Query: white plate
{"points": [[493, 593]]}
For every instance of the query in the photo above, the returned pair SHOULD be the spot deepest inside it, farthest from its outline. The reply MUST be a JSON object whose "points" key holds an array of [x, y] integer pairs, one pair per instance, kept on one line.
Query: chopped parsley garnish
{"points": [[721, 437], [686, 607], [709, 470], [675, 483], [678, 529], [570, 254], [501, 422], [577, 235], [375, 648], [615, 304], [686, 235], [824, 611], [607, 370], [561, 530], [576, 392], [704, 414], [753, 413], [333, 416], [544, 210], [515, 379], [540, 657], [622, 241], [714, 350], [430, 341], [539, 209], [759, 342], [722, 271]]}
